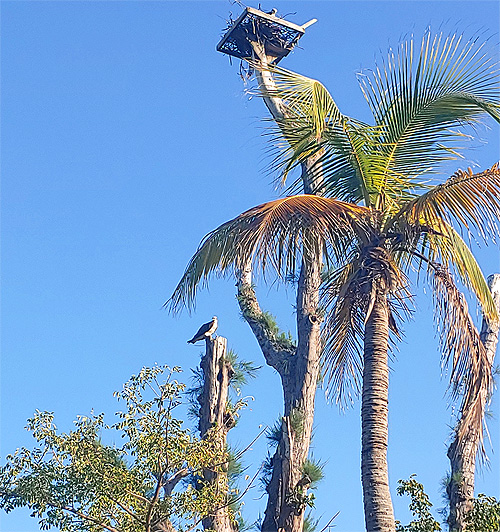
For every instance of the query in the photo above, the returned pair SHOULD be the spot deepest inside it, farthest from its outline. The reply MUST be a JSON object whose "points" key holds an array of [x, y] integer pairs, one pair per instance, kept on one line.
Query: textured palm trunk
{"points": [[463, 452], [214, 416], [379, 515]]}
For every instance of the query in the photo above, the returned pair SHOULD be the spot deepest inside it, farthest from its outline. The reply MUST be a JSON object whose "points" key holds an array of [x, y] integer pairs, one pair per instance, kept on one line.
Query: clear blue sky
{"points": [[126, 138]]}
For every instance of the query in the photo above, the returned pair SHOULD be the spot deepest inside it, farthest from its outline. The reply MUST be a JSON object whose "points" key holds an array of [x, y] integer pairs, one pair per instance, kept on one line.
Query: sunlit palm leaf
{"points": [[472, 200], [417, 96], [313, 121], [273, 235], [304, 98], [348, 164]]}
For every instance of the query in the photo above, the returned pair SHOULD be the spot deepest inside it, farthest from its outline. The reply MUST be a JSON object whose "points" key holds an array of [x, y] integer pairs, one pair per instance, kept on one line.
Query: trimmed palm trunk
{"points": [[379, 515], [298, 367], [463, 452]]}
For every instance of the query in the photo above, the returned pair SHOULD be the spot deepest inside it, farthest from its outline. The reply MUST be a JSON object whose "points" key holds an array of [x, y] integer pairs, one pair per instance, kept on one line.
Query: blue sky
{"points": [[126, 138]]}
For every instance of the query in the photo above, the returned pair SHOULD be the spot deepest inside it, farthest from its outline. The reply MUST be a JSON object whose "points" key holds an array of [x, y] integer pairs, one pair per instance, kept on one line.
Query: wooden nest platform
{"points": [[276, 34]]}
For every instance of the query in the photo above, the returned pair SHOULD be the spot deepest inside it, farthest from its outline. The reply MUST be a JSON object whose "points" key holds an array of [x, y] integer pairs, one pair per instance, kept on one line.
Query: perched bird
{"points": [[273, 11], [206, 330]]}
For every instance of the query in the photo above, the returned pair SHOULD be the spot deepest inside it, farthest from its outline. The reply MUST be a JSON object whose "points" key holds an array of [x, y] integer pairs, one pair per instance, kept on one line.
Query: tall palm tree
{"points": [[385, 221]]}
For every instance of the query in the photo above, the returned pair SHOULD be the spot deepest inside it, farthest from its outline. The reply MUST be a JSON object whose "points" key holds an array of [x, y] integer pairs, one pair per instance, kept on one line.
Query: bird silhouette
{"points": [[205, 331]]}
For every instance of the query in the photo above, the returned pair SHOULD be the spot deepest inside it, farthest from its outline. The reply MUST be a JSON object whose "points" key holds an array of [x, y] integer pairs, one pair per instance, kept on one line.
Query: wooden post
{"points": [[214, 415]]}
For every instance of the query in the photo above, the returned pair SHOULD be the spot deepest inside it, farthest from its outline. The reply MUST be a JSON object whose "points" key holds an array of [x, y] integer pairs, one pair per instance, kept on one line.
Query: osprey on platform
{"points": [[205, 331]]}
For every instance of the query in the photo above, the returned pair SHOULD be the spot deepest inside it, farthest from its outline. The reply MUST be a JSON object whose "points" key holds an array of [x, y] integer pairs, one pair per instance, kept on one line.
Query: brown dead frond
{"points": [[463, 352]]}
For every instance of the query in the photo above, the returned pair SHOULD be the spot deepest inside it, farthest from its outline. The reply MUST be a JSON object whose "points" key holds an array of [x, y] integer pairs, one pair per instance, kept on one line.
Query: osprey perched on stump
{"points": [[205, 331]]}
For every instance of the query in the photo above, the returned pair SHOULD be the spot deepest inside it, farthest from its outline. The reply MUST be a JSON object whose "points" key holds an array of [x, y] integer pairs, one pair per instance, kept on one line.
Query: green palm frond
{"points": [[312, 124], [418, 95], [305, 99], [348, 165], [273, 235]]}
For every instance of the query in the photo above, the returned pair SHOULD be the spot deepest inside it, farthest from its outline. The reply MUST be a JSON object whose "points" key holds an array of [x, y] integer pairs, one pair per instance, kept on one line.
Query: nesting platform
{"points": [[276, 34]]}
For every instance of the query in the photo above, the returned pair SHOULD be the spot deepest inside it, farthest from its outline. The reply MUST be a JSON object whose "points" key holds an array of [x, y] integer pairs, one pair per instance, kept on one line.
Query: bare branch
{"points": [[174, 480], [328, 524]]}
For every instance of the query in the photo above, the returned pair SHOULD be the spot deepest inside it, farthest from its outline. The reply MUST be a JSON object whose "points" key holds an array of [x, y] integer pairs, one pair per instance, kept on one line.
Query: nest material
{"points": [[277, 35]]}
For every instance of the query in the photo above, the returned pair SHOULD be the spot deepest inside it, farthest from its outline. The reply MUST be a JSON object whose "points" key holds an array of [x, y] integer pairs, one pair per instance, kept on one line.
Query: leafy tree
{"points": [[386, 222], [420, 506], [484, 515], [75, 482]]}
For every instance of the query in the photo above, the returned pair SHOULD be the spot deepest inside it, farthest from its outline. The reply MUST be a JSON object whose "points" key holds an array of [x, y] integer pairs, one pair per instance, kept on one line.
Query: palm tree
{"points": [[386, 220]]}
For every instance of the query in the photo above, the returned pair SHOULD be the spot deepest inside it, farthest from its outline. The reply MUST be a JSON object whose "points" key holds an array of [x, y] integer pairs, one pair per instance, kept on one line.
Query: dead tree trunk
{"points": [[298, 368], [463, 452], [214, 416]]}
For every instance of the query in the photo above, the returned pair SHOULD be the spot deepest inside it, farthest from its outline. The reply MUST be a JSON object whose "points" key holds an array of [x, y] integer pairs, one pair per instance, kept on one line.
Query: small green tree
{"points": [[75, 482], [484, 515], [420, 506]]}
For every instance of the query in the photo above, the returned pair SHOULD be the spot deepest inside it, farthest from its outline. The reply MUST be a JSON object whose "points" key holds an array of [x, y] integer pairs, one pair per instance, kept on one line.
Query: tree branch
{"points": [[126, 510], [174, 480], [84, 516], [155, 498], [274, 353]]}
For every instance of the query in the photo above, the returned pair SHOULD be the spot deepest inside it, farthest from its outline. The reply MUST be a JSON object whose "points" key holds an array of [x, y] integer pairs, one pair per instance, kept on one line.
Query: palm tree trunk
{"points": [[298, 368], [379, 515], [463, 451], [299, 371]]}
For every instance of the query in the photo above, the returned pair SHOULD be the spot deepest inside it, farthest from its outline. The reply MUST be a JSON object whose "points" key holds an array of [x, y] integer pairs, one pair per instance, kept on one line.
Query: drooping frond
{"points": [[463, 352], [273, 235], [418, 95], [348, 296], [342, 333], [304, 98], [448, 248], [470, 200], [440, 242]]}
